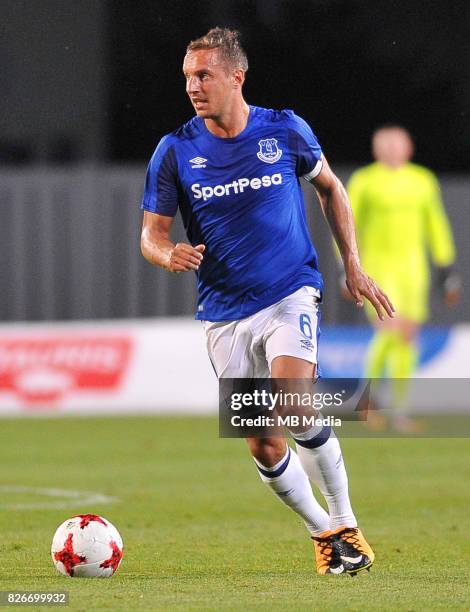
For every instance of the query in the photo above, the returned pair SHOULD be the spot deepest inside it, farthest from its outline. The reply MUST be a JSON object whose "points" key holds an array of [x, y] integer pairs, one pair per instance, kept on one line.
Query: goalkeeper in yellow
{"points": [[400, 223]]}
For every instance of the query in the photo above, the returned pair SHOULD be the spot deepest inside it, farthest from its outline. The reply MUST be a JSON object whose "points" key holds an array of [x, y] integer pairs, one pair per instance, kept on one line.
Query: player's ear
{"points": [[238, 78]]}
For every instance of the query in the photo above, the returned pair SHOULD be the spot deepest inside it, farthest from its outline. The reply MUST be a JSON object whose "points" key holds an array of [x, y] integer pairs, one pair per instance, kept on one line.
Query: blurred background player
{"points": [[400, 222]]}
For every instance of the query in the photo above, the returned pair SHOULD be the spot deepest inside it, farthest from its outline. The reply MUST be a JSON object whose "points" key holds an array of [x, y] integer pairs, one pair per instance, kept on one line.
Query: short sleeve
{"points": [[305, 147], [160, 193]]}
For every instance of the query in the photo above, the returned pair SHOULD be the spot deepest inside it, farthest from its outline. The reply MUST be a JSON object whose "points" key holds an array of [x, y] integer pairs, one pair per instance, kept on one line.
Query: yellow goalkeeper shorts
{"points": [[409, 296]]}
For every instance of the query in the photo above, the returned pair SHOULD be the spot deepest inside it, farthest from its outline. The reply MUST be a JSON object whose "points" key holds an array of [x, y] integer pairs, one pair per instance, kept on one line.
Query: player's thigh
{"points": [[294, 329]]}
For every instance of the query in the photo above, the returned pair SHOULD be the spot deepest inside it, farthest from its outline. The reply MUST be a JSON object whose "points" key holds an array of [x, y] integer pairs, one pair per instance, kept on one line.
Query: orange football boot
{"points": [[327, 554], [354, 551]]}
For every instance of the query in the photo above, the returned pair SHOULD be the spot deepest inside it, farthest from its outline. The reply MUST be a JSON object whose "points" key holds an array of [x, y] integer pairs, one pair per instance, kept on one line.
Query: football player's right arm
{"points": [[158, 249]]}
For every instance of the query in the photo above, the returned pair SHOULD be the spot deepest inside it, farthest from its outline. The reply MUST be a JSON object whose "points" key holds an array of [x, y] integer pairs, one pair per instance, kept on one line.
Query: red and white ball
{"points": [[87, 546]]}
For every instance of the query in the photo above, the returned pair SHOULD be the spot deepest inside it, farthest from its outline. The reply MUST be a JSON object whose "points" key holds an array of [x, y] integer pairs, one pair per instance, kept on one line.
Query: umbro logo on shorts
{"points": [[198, 162], [306, 344]]}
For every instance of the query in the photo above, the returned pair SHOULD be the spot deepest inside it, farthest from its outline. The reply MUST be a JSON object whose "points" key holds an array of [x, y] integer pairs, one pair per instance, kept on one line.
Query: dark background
{"points": [[345, 66], [101, 80]]}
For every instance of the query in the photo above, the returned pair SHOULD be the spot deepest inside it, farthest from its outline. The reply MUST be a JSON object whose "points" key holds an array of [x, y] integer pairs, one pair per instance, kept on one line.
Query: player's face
{"points": [[392, 147], [210, 84]]}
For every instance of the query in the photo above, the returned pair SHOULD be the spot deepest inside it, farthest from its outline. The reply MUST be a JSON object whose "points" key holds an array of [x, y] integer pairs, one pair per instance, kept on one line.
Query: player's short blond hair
{"points": [[227, 42]]}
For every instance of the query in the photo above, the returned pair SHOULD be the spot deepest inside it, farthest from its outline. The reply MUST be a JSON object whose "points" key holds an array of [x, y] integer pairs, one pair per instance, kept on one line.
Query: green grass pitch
{"points": [[202, 533]]}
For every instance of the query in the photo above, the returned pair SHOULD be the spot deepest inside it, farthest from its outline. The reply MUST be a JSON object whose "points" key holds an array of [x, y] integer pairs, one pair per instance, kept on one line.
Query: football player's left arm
{"points": [[441, 244], [355, 191], [337, 210]]}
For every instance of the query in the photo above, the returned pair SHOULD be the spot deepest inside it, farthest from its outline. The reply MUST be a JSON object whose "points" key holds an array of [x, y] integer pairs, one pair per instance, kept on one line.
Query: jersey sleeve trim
{"points": [[315, 172]]}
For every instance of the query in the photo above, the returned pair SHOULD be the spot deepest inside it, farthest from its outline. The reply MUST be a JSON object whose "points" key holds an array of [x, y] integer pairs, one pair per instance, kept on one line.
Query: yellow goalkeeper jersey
{"points": [[400, 223]]}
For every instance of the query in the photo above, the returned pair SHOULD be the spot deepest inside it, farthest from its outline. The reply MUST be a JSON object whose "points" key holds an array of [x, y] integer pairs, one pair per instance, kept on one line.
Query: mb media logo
{"points": [[198, 162]]}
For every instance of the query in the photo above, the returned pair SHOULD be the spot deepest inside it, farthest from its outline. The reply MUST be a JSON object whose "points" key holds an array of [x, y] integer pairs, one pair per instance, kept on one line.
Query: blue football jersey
{"points": [[241, 197]]}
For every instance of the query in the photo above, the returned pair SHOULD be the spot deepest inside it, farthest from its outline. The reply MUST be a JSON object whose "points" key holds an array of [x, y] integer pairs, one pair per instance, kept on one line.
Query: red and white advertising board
{"points": [[105, 367], [160, 366]]}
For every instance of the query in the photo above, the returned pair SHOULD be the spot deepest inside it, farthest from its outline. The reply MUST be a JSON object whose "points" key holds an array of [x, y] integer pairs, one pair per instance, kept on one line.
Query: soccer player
{"points": [[400, 218], [233, 171]]}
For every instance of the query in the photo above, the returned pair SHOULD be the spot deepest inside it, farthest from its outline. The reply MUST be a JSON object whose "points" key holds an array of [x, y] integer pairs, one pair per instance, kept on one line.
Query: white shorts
{"points": [[246, 348]]}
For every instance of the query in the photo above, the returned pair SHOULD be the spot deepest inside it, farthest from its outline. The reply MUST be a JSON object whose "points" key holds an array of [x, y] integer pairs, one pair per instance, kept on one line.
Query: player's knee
{"points": [[267, 451], [409, 332]]}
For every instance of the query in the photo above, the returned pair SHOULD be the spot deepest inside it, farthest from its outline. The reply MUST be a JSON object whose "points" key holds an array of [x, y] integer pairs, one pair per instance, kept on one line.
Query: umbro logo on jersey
{"points": [[198, 162], [269, 152]]}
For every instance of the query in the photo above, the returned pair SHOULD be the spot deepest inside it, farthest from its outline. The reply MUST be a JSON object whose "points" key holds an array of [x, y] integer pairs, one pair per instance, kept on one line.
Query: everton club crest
{"points": [[269, 152]]}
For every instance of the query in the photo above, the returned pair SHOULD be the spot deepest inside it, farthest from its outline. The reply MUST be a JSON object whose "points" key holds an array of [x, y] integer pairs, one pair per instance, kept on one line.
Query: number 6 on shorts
{"points": [[306, 325]]}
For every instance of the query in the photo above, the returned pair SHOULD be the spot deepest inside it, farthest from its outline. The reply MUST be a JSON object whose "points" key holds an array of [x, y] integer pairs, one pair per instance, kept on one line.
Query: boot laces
{"points": [[326, 547], [350, 536]]}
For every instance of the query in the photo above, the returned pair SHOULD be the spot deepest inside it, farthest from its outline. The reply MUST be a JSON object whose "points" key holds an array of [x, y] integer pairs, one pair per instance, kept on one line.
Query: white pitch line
{"points": [[72, 497]]}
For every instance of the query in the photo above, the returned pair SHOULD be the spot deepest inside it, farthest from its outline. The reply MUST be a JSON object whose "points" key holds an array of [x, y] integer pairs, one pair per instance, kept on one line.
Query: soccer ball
{"points": [[87, 546]]}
